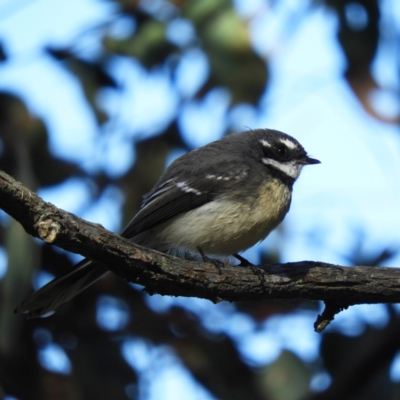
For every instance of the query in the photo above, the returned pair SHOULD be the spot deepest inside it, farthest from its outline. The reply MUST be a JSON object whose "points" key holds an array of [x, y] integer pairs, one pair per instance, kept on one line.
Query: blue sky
{"points": [[355, 188]]}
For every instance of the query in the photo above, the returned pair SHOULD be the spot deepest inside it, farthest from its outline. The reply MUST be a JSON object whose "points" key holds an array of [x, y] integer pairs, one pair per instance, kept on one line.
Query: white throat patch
{"points": [[291, 168]]}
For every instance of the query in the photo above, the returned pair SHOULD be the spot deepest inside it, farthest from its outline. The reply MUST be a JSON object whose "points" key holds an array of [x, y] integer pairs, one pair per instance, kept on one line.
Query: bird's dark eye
{"points": [[282, 150]]}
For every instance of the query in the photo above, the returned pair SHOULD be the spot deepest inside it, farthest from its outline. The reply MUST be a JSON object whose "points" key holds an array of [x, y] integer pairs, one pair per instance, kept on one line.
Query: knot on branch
{"points": [[48, 230]]}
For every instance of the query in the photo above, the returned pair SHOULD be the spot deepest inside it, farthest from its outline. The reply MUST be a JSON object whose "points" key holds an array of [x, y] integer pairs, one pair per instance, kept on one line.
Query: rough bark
{"points": [[337, 286]]}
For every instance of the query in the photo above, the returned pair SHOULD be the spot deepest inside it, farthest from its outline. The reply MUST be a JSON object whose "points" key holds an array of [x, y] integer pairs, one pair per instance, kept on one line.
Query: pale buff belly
{"points": [[223, 228]]}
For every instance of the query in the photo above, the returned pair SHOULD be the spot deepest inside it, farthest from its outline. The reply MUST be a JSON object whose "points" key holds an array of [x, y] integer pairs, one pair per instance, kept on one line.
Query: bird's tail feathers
{"points": [[61, 289]]}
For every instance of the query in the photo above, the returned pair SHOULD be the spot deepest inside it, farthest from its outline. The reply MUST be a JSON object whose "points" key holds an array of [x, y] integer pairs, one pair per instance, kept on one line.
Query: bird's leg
{"points": [[243, 261], [256, 271], [217, 263]]}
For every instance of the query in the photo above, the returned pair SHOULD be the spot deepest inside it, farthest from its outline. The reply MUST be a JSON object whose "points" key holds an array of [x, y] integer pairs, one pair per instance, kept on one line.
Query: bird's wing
{"points": [[174, 196]]}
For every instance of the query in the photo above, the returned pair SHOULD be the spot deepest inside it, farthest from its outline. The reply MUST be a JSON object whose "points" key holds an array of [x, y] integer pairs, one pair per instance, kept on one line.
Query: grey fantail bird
{"points": [[221, 198]]}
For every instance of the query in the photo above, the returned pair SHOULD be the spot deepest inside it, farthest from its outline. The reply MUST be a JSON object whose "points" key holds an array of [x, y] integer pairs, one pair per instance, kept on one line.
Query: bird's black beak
{"points": [[310, 161]]}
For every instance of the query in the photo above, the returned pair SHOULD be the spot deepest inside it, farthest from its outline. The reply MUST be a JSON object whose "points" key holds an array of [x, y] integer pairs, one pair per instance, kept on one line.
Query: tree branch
{"points": [[337, 286]]}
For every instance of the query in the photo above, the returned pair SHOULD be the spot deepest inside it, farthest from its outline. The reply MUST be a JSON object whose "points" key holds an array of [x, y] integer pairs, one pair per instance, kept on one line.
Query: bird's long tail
{"points": [[61, 289]]}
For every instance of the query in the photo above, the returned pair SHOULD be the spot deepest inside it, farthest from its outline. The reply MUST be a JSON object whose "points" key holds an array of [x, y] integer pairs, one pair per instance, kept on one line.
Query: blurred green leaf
{"points": [[225, 39], [149, 44], [287, 378]]}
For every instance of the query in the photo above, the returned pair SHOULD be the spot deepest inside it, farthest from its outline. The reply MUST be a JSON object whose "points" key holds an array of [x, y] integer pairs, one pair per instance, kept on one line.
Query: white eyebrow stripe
{"points": [[291, 169], [265, 143], [288, 143]]}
